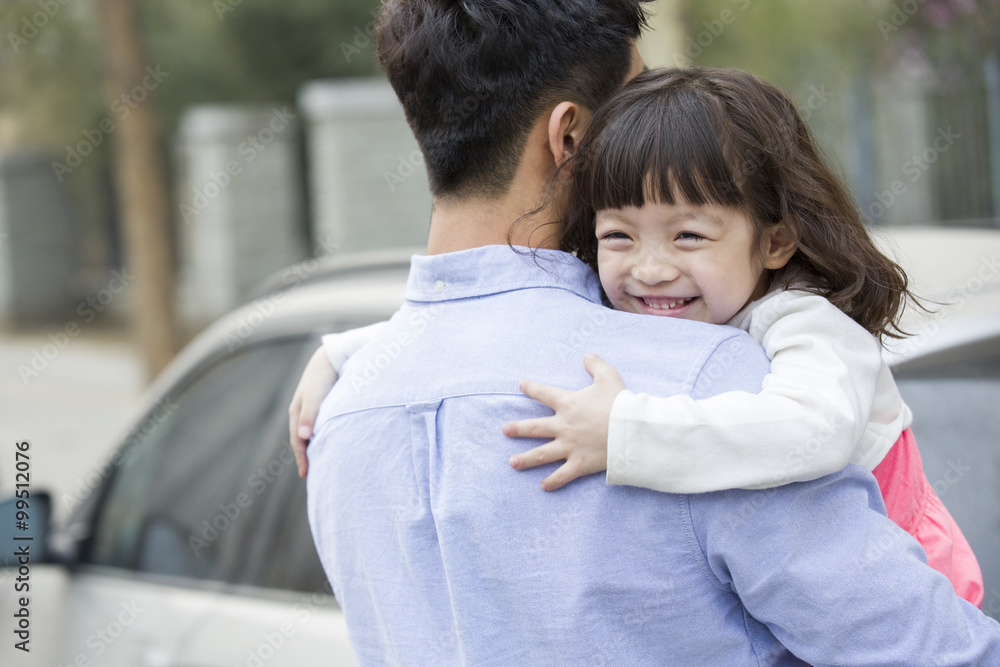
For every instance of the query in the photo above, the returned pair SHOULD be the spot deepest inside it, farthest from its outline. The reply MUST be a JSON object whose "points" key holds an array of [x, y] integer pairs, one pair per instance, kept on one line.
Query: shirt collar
{"points": [[494, 269]]}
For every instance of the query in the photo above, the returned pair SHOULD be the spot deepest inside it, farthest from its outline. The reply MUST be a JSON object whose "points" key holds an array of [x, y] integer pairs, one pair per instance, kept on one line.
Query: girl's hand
{"points": [[579, 427], [317, 380]]}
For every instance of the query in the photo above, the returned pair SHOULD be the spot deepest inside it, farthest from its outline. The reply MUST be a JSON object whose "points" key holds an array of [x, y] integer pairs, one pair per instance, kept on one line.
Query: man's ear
{"points": [[567, 123], [779, 246]]}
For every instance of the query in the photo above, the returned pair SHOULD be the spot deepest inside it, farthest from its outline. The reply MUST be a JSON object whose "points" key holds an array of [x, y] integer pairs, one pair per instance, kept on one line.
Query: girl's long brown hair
{"points": [[726, 137]]}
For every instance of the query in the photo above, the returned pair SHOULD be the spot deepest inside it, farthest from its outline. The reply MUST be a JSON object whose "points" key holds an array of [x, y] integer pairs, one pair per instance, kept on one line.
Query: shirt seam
{"points": [[692, 384], [746, 628], [701, 557], [488, 290], [694, 544], [403, 404]]}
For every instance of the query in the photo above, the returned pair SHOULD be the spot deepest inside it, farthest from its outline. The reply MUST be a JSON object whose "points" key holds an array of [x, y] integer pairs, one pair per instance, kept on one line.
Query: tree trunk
{"points": [[140, 180]]}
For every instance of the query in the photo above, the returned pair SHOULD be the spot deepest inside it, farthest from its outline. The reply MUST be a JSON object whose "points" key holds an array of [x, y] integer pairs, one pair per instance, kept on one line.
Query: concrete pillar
{"points": [[39, 258], [904, 195], [240, 211], [991, 78], [368, 182]]}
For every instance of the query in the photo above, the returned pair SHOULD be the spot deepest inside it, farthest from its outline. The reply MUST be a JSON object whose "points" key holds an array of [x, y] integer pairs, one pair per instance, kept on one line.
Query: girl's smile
{"points": [[680, 260], [667, 306]]}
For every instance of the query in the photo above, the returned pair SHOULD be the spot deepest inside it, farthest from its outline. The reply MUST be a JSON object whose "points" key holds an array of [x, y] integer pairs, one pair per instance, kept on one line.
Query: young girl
{"points": [[702, 196]]}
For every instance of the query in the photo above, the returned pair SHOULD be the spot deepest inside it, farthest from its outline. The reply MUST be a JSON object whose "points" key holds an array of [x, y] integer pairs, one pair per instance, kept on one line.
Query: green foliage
{"points": [[254, 51], [51, 82], [950, 35], [789, 42], [50, 79]]}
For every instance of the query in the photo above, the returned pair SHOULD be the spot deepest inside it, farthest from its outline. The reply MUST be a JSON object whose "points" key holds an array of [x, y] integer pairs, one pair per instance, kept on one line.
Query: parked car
{"points": [[193, 546]]}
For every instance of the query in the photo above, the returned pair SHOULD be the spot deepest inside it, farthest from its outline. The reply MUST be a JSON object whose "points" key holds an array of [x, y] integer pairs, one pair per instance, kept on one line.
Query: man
{"points": [[437, 550]]}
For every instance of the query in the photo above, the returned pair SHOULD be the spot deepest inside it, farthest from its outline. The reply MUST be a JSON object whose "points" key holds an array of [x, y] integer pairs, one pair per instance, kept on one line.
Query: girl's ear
{"points": [[779, 246]]}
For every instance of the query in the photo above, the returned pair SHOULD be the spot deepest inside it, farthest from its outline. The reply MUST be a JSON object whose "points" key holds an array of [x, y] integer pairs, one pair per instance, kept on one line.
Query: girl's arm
{"points": [[811, 418], [317, 379], [340, 346]]}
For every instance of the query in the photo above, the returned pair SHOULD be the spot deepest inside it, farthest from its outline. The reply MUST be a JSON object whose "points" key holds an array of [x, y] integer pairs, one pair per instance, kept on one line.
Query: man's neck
{"points": [[473, 223]]}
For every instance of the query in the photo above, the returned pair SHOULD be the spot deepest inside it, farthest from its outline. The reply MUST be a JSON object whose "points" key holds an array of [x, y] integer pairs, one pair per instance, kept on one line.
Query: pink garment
{"points": [[911, 502]]}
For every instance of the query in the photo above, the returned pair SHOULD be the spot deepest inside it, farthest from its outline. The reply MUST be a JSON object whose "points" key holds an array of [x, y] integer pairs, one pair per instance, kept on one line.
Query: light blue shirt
{"points": [[441, 554]]}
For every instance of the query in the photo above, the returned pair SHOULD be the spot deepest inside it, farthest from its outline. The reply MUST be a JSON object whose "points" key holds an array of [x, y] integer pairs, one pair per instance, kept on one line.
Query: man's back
{"points": [[440, 553]]}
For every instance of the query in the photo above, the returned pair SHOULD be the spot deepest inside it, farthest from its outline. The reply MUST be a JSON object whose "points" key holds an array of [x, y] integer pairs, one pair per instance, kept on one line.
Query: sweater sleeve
{"points": [[805, 423], [340, 346]]}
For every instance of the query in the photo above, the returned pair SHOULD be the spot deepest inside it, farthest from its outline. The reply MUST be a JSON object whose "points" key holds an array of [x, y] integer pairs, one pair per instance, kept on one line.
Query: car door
{"points": [[199, 551]]}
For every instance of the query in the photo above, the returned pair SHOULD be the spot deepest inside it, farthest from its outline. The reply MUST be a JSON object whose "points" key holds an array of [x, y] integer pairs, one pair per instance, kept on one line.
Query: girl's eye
{"points": [[687, 236], [615, 236]]}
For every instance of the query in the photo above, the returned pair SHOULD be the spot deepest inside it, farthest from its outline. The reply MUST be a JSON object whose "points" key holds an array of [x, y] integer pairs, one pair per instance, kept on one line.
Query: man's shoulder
{"points": [[656, 355], [487, 345], [634, 328]]}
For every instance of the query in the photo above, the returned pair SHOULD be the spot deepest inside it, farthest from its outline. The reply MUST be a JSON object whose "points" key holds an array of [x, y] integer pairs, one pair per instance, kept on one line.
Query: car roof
{"points": [[957, 272], [313, 271], [328, 296]]}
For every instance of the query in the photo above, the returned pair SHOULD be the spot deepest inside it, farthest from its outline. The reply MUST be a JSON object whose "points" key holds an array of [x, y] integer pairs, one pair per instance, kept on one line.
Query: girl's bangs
{"points": [[663, 149]]}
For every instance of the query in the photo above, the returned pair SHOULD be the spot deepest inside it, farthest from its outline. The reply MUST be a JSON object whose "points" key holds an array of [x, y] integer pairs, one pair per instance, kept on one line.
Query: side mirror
{"points": [[24, 529]]}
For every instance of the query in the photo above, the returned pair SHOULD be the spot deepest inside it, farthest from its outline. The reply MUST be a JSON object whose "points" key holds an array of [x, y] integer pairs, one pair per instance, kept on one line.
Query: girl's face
{"points": [[694, 262]]}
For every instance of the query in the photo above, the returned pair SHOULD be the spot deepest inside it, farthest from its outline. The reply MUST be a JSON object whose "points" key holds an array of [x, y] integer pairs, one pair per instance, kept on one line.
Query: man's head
{"points": [[474, 76]]}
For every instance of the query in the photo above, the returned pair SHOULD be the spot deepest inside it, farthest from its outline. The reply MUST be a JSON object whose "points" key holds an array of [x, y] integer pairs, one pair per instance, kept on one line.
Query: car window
{"points": [[207, 491], [956, 422], [288, 559]]}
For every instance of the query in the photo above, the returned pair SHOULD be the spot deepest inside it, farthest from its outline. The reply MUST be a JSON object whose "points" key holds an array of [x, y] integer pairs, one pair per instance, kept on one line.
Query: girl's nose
{"points": [[652, 270]]}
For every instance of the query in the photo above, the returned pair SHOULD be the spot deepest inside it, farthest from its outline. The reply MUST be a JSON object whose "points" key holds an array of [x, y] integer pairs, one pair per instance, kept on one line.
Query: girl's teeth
{"points": [[671, 305]]}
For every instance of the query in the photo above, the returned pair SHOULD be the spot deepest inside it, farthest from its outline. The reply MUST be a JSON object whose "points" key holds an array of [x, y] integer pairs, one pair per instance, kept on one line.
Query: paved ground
{"points": [[71, 406]]}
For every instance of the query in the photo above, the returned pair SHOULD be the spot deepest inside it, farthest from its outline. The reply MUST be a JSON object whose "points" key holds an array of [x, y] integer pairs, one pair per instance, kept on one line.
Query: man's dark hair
{"points": [[474, 75]]}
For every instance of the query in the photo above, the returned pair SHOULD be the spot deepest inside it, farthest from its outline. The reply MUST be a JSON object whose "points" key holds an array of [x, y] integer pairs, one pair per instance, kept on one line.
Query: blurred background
{"points": [[159, 160]]}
